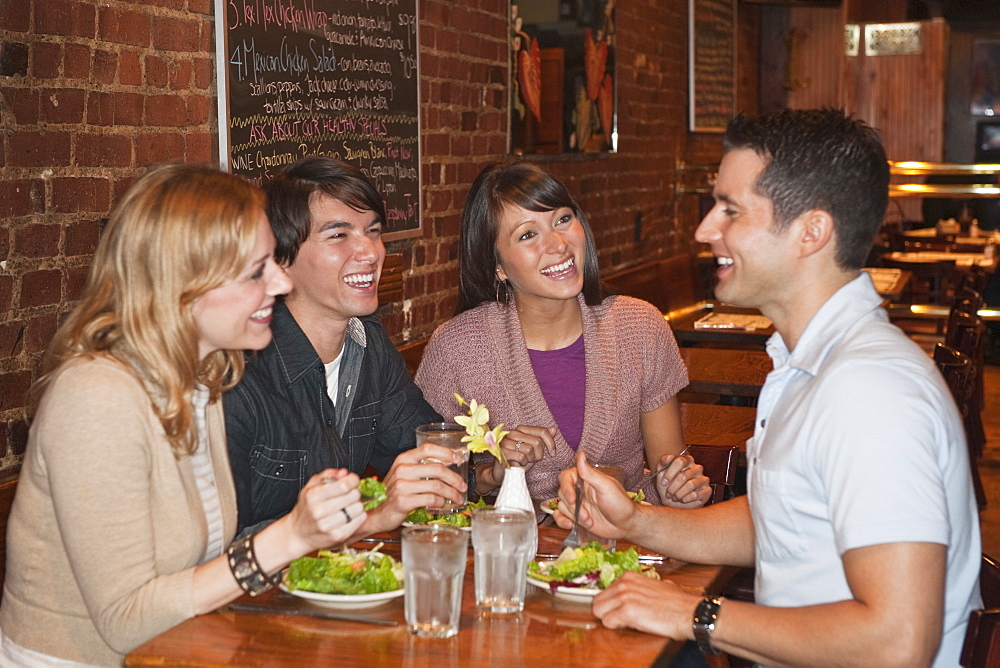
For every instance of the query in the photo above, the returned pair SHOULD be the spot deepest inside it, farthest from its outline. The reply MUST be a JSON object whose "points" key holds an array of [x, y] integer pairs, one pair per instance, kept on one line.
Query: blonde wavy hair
{"points": [[179, 231]]}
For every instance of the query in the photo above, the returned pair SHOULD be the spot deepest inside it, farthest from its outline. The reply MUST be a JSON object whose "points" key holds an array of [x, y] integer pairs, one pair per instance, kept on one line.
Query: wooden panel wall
{"points": [[813, 60]]}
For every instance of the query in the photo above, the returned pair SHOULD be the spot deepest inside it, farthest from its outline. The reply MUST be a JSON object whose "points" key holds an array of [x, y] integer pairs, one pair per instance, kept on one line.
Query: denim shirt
{"points": [[282, 427]]}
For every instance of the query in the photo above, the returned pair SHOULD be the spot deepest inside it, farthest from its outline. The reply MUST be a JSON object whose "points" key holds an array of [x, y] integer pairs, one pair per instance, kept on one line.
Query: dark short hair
{"points": [[499, 185], [820, 159], [292, 190]]}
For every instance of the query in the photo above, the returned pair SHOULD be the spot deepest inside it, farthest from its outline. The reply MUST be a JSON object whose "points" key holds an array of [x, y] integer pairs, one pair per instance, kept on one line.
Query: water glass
{"points": [[434, 558], [502, 540], [448, 435], [618, 473]]}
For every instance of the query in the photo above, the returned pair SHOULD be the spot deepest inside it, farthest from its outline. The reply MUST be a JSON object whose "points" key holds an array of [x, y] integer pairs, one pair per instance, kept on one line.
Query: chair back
{"points": [[982, 638], [719, 463], [956, 368], [931, 282]]}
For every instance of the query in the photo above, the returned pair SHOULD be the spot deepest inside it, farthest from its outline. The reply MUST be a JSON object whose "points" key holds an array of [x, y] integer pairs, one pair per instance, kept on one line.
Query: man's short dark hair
{"points": [[820, 159], [292, 190]]}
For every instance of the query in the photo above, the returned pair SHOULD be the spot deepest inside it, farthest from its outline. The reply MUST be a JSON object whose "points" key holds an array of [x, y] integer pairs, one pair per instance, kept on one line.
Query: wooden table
{"points": [[683, 323], [962, 260], [711, 424], [549, 632], [726, 371], [890, 283]]}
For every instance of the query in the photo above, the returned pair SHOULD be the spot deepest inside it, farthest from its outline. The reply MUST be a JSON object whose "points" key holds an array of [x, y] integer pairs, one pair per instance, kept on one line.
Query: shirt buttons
{"points": [[329, 423]]}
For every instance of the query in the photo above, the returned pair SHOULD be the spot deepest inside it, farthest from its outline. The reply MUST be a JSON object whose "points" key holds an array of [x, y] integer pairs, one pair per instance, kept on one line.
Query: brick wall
{"points": [[92, 93]]}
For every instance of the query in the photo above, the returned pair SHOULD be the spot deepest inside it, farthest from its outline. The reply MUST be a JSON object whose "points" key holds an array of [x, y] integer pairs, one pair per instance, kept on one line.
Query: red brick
{"points": [[200, 147], [76, 281], [166, 110], [46, 59], [76, 195], [200, 6], [103, 150], [65, 18], [62, 105], [124, 27], [114, 109], [76, 61], [36, 240], [170, 4], [180, 74], [204, 73], [15, 199], [40, 288], [199, 109], [11, 338], [156, 147], [129, 69], [39, 149], [105, 67], [175, 34], [15, 15], [40, 331], [82, 237], [23, 103], [15, 387], [6, 291], [156, 72]]}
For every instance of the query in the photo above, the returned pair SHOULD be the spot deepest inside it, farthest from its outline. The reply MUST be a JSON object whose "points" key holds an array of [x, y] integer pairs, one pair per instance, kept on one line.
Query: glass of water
{"points": [[502, 540], [434, 558], [448, 435]]}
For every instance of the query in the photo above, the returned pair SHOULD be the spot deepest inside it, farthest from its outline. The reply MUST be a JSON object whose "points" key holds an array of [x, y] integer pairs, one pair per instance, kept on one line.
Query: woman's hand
{"points": [[523, 447], [328, 511], [683, 484]]}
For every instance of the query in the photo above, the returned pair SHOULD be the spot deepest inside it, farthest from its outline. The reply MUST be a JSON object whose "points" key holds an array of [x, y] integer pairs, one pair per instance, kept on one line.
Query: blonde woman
{"points": [[125, 507]]}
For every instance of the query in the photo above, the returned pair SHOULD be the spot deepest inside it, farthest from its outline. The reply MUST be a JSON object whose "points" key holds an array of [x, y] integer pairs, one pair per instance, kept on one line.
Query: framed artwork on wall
{"points": [[985, 77], [711, 64], [562, 76]]}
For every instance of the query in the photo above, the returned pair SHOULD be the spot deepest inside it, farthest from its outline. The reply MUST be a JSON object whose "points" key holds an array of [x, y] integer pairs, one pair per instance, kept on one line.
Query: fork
{"points": [[660, 470], [573, 539]]}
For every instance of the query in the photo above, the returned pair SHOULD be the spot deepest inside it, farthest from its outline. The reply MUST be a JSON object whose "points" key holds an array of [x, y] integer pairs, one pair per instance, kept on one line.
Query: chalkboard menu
{"points": [[337, 78], [712, 64]]}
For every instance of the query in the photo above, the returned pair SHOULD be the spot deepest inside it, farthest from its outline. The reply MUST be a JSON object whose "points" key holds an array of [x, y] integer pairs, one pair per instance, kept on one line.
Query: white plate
{"points": [[345, 601], [544, 506], [428, 524], [583, 595]]}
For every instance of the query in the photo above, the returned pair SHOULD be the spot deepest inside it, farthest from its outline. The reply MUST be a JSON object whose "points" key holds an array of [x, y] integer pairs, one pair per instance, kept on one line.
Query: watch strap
{"points": [[705, 616]]}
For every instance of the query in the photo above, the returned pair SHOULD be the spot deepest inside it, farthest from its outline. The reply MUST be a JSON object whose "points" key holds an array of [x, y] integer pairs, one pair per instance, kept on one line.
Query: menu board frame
{"points": [[711, 64], [362, 122]]}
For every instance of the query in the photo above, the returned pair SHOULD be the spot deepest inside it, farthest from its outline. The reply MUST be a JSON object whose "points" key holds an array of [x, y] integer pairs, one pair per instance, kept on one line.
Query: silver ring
{"points": [[517, 446], [346, 514]]}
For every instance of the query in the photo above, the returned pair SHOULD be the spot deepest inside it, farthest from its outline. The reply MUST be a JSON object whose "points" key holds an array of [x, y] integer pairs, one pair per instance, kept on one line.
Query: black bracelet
{"points": [[247, 570], [705, 616]]}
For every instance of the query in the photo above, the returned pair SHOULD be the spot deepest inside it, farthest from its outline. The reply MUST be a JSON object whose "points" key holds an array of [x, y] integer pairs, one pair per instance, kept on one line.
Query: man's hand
{"points": [[635, 601], [606, 509], [418, 478], [683, 484]]}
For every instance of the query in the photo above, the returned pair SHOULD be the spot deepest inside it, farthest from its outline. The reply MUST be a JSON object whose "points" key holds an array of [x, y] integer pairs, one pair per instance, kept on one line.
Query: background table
{"points": [[726, 371], [549, 633]]}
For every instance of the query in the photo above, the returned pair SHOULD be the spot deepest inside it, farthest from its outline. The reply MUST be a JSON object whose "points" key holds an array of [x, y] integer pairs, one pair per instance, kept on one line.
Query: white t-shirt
{"points": [[858, 442], [333, 377]]}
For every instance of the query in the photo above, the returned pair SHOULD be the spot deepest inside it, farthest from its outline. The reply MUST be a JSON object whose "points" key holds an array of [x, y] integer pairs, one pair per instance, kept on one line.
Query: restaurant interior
{"points": [[92, 94]]}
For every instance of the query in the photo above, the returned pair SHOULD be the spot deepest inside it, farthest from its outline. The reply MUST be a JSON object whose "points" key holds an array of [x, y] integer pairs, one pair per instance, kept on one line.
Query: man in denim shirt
{"points": [[330, 391]]}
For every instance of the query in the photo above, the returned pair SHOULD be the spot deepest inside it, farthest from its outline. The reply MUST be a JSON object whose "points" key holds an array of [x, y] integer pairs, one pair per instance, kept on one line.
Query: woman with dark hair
{"points": [[561, 364], [125, 506]]}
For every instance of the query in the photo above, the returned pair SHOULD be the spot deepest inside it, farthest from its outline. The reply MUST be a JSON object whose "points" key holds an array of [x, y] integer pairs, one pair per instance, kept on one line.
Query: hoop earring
{"points": [[506, 293]]}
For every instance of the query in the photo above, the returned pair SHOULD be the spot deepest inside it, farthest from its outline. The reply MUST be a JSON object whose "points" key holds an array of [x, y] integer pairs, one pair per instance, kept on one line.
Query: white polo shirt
{"points": [[858, 442]]}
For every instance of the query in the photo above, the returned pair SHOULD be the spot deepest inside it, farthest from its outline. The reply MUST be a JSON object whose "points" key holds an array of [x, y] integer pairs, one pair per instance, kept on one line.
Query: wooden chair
{"points": [[412, 354], [7, 489], [957, 370], [667, 284], [982, 638], [931, 282], [719, 463]]}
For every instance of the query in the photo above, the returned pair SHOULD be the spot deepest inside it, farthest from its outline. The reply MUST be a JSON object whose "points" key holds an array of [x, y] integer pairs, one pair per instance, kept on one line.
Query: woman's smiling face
{"points": [[541, 253]]}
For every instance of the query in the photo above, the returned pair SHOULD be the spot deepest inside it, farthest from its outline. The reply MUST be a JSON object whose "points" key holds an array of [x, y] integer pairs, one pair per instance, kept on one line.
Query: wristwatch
{"points": [[705, 616]]}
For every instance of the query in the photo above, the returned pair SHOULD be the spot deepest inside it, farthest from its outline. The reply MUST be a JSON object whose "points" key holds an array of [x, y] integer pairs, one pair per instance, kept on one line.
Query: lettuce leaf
{"points": [[345, 572], [463, 518], [586, 565], [375, 490]]}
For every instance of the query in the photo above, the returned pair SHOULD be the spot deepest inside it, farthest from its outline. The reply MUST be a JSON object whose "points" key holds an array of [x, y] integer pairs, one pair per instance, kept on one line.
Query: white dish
{"points": [[428, 524], [544, 506], [583, 595], [345, 601]]}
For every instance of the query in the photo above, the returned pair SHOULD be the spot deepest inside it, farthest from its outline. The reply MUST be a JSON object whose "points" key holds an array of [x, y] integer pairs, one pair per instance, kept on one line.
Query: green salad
{"points": [[346, 572], [589, 566], [374, 490], [462, 518]]}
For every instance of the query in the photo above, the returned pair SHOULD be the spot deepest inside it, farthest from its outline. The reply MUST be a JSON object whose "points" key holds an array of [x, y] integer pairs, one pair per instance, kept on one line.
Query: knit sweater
{"points": [[107, 525], [633, 367]]}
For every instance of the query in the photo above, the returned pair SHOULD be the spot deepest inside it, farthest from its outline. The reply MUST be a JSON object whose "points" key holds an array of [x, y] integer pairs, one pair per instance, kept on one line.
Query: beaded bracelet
{"points": [[246, 569]]}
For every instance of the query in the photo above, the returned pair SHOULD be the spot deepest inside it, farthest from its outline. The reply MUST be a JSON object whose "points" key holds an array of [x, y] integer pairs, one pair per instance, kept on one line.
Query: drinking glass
{"points": [[448, 435], [618, 473], [502, 540], [434, 558]]}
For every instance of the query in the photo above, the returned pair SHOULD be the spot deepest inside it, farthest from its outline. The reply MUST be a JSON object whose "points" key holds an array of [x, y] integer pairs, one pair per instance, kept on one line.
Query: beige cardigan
{"points": [[107, 524]]}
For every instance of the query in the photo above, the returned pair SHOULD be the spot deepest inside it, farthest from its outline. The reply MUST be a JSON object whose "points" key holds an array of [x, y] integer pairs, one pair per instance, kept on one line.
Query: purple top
{"points": [[562, 377]]}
